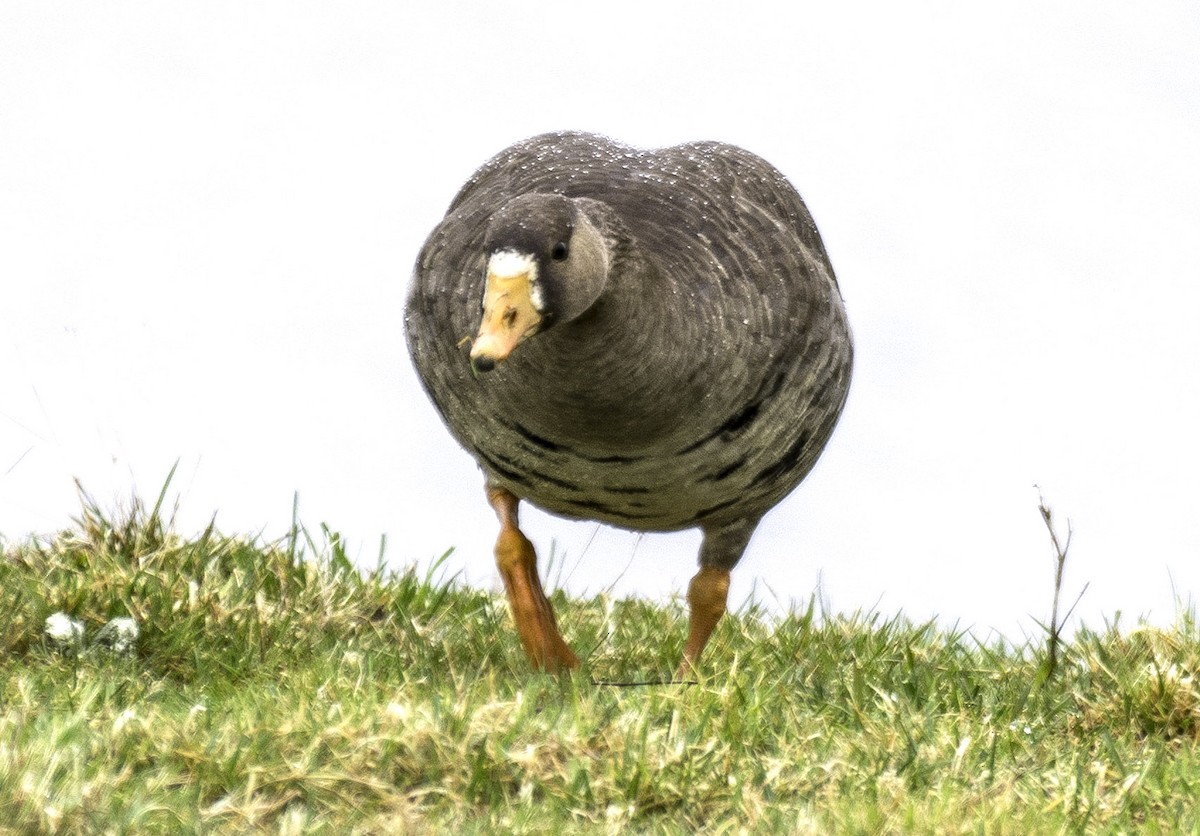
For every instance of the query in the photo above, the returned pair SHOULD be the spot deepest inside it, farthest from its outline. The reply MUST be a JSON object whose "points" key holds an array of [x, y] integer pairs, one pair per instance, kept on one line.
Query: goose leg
{"points": [[531, 611], [708, 593]]}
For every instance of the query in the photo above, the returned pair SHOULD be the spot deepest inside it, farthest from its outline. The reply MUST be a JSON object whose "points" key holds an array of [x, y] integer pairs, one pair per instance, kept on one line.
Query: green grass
{"points": [[276, 688]]}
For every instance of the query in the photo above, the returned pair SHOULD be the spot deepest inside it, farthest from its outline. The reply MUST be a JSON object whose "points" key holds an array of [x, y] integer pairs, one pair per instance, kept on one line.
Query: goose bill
{"points": [[509, 316]]}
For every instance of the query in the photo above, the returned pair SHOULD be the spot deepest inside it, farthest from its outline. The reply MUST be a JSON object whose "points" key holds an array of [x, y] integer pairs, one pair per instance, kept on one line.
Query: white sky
{"points": [[209, 213]]}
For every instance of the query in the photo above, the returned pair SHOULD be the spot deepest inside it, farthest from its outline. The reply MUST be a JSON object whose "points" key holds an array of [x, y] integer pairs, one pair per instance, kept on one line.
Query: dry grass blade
{"points": [[1054, 630]]}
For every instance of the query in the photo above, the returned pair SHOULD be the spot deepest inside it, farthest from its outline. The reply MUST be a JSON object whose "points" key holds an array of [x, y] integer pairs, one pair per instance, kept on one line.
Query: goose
{"points": [[649, 338]]}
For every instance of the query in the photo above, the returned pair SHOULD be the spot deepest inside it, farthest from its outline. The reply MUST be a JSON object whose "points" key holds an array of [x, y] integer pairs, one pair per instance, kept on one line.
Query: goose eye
{"points": [[559, 253]]}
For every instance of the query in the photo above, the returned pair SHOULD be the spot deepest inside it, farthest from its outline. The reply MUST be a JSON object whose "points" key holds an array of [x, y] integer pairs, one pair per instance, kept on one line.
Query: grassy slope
{"points": [[276, 688]]}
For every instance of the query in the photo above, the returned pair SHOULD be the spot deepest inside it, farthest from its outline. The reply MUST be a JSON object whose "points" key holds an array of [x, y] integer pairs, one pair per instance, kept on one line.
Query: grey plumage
{"points": [[694, 383]]}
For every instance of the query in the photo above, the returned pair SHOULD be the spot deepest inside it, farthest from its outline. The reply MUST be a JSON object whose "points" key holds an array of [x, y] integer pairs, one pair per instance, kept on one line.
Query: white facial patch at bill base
{"points": [[509, 264]]}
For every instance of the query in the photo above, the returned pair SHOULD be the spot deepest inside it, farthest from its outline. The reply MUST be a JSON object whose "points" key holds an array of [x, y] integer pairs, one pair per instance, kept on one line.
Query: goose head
{"points": [[547, 264]]}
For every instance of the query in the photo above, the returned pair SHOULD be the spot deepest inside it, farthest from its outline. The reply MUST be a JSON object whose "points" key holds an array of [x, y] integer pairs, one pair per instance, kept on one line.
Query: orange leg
{"points": [[707, 596], [532, 612]]}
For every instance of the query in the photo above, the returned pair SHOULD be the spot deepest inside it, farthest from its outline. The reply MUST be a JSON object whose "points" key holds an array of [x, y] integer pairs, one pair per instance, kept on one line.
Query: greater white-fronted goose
{"points": [[650, 338]]}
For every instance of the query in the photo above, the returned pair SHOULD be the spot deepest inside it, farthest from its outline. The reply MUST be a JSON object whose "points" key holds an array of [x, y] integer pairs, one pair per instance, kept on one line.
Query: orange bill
{"points": [[510, 309]]}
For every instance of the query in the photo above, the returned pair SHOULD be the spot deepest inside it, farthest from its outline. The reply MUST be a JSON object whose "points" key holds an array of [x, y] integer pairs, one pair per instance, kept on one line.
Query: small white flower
{"points": [[613, 812], [64, 631], [123, 720], [53, 816], [121, 634]]}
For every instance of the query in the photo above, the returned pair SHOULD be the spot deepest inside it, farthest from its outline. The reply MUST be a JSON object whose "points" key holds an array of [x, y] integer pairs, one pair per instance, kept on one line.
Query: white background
{"points": [[209, 213]]}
